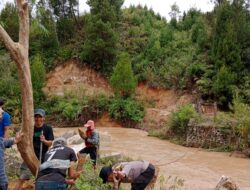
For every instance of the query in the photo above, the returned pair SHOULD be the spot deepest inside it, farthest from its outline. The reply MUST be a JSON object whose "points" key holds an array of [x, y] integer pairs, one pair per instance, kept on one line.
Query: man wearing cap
{"points": [[57, 161], [138, 173], [91, 139], [5, 121], [42, 138]]}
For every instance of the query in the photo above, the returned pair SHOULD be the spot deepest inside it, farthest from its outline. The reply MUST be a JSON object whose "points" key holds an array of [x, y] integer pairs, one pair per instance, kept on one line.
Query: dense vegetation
{"points": [[203, 52]]}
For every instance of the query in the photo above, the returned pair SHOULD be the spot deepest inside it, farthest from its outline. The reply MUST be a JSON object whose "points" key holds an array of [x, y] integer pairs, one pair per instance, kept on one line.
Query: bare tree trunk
{"points": [[20, 54]]}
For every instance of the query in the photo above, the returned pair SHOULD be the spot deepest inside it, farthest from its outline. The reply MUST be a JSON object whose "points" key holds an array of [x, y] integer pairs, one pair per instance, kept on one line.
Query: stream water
{"points": [[200, 169]]}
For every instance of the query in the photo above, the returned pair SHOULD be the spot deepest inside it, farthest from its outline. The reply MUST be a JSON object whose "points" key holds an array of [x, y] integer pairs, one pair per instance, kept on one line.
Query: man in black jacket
{"points": [[42, 140]]}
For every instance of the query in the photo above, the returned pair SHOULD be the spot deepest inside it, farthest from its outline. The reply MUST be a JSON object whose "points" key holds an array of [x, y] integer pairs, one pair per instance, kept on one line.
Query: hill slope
{"points": [[70, 77]]}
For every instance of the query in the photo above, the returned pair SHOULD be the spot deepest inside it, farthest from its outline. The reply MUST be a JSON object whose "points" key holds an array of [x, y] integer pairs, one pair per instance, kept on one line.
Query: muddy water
{"points": [[201, 170]]}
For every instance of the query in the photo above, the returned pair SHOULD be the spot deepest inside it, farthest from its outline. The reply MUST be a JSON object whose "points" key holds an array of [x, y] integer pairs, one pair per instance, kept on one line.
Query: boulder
{"points": [[12, 162], [76, 139], [69, 134]]}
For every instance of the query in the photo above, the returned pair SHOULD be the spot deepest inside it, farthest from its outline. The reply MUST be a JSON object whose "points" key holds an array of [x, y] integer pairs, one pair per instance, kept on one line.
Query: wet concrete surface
{"points": [[200, 169]]}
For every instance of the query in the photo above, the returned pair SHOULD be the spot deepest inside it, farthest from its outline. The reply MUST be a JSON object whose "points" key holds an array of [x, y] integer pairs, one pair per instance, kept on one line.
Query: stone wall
{"points": [[208, 135]]}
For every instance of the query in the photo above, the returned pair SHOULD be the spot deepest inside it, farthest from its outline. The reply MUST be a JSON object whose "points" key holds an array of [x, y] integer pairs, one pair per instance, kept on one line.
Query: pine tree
{"points": [[100, 47], [226, 52], [9, 19], [43, 35], [123, 80]]}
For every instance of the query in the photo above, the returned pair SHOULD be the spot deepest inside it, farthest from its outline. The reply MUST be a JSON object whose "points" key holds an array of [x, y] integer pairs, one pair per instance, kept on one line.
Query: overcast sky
{"points": [[159, 6]]}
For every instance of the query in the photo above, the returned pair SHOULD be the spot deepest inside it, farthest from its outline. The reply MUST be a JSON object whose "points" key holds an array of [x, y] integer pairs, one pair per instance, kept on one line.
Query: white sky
{"points": [[159, 6]]}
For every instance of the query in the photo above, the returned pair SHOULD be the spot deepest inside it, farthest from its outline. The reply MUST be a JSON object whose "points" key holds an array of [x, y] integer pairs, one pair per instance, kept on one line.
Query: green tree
{"points": [[64, 8], [174, 14], [65, 13], [226, 54], [199, 33], [225, 47], [100, 47], [38, 76], [190, 18], [123, 80], [223, 86], [166, 36], [43, 36], [9, 19], [8, 76]]}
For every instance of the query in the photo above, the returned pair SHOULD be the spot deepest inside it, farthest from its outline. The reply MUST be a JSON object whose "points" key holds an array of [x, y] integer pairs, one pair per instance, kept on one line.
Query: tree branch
{"points": [[20, 54], [10, 45]]}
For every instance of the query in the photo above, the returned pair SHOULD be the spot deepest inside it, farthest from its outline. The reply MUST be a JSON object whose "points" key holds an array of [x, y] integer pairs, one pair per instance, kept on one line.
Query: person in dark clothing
{"points": [[138, 173], [6, 143], [42, 137], [53, 171], [91, 139]]}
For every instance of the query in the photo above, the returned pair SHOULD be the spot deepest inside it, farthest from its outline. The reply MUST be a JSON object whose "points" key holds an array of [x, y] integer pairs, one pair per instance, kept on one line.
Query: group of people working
{"points": [[57, 160]]}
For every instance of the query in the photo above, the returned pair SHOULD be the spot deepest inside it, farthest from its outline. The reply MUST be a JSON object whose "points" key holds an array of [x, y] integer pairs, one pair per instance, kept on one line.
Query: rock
{"points": [[226, 183], [110, 156], [76, 139], [12, 162], [69, 134]]}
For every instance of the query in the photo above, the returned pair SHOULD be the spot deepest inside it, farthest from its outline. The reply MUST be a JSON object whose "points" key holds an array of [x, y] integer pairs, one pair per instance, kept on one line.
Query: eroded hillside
{"points": [[70, 77]]}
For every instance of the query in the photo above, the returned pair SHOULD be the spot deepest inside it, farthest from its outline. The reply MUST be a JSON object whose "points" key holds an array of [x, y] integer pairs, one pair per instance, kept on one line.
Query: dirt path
{"points": [[201, 170]]}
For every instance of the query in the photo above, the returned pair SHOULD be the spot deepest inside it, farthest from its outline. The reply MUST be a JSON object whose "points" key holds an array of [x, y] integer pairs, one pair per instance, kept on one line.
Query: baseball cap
{"points": [[90, 123], [40, 112], [60, 140]]}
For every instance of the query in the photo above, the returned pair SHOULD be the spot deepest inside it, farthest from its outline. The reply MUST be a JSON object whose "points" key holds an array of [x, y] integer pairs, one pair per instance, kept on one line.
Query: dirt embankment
{"points": [[71, 77]]}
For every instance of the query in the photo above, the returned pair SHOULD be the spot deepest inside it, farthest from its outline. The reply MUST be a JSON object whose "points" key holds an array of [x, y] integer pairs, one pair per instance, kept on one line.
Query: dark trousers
{"points": [[141, 182], [92, 151], [50, 185], [4, 186]]}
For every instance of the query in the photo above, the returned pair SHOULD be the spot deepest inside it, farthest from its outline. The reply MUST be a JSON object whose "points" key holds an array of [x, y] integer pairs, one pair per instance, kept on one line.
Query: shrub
{"points": [[127, 111], [75, 108], [97, 105], [241, 114], [65, 53], [68, 107], [179, 120], [89, 180]]}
